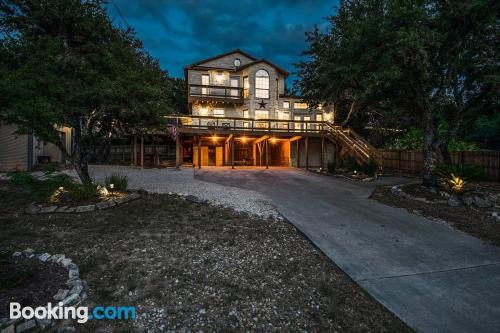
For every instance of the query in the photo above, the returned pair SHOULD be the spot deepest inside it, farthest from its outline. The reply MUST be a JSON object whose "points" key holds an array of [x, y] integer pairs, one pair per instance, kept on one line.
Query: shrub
{"points": [[369, 168], [119, 181], [464, 171], [82, 192], [41, 188], [331, 167]]}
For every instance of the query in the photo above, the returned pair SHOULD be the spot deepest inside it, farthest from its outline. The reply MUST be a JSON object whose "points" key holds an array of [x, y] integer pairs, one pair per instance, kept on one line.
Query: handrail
{"points": [[214, 86], [319, 122]]}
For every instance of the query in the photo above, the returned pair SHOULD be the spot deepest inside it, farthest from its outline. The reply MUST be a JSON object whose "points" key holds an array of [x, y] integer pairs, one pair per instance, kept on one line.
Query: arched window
{"points": [[262, 84]]}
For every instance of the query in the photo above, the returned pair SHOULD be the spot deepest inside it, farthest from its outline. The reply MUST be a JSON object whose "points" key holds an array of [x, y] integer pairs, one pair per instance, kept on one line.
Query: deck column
{"points": [[142, 152], [307, 153], [267, 153], [322, 152], [198, 138], [177, 151], [298, 153], [232, 152]]}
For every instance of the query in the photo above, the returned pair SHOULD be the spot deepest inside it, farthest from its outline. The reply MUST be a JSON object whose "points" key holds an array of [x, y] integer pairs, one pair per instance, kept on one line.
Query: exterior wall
{"points": [[314, 153], [13, 149], [227, 61]]}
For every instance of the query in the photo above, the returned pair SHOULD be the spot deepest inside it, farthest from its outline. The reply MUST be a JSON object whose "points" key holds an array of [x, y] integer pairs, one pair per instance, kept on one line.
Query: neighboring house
{"points": [[240, 115], [23, 152]]}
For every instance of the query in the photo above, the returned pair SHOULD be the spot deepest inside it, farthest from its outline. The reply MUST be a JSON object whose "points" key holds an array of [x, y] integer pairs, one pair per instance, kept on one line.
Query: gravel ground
{"points": [[182, 182]]}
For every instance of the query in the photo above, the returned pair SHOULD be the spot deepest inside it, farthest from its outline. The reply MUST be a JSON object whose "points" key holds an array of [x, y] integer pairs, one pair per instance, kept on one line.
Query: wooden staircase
{"points": [[362, 150]]}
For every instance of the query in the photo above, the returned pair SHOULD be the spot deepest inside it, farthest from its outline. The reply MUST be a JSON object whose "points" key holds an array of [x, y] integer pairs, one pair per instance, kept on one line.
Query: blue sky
{"points": [[181, 32]]}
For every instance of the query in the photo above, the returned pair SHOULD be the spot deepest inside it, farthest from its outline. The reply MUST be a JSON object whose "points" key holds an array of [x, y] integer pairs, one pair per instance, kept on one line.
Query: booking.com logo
{"points": [[80, 313]]}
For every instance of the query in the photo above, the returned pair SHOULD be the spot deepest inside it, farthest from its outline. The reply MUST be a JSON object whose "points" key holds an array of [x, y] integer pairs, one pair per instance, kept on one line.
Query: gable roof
{"points": [[255, 61], [279, 69], [221, 56]]}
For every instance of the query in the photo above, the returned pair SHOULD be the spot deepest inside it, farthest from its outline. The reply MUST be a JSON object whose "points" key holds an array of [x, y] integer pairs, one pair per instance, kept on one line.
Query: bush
{"points": [[369, 168], [331, 167], [464, 171], [41, 188], [119, 181], [82, 192]]}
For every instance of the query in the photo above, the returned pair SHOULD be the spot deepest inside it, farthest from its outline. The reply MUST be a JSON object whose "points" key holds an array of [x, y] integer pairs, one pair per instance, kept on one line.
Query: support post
{"points": [[307, 153], [199, 151], [232, 153], [177, 151], [298, 153], [322, 153], [267, 153], [142, 152], [134, 149]]}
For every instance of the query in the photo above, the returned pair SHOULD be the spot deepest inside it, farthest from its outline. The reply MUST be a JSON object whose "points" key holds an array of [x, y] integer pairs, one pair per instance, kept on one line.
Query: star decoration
{"points": [[262, 104]]}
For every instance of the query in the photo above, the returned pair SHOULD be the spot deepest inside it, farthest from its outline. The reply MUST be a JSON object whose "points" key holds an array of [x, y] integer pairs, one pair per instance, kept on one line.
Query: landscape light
{"points": [[457, 184]]}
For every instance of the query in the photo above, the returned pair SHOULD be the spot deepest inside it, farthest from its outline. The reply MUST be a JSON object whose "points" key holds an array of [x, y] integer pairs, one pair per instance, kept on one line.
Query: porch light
{"points": [[273, 140], [243, 139], [214, 138]]}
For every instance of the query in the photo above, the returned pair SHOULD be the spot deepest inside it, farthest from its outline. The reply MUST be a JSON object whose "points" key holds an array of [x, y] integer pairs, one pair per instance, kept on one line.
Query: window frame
{"points": [[219, 115], [261, 81]]}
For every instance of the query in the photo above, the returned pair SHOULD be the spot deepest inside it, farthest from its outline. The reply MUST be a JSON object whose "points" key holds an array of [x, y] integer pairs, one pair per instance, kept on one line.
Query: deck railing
{"points": [[213, 91]]}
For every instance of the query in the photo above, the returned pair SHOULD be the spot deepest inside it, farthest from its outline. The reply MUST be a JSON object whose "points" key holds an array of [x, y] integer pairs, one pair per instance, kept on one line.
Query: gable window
{"points": [[218, 112], [286, 105], [300, 105], [262, 84]]}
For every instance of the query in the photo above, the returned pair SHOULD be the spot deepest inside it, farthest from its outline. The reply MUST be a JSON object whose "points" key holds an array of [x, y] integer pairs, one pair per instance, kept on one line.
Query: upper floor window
{"points": [[246, 87], [300, 105], [262, 84], [286, 105]]}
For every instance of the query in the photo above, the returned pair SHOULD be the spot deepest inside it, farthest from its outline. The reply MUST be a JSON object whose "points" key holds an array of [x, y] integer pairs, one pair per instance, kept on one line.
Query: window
{"points": [[261, 114], [205, 80], [300, 105], [246, 114], [246, 87], [218, 112], [286, 105], [235, 83], [262, 84]]}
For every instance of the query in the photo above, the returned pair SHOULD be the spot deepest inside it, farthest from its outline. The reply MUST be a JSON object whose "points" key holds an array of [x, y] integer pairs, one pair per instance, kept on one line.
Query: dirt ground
{"points": [[475, 221], [188, 266]]}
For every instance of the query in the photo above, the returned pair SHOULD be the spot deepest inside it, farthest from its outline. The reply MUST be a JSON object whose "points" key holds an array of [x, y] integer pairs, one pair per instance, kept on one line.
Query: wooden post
{"points": [[307, 153], [322, 152], [298, 153], [267, 153], [135, 151], [177, 151], [131, 150], [142, 152], [232, 153], [223, 154], [199, 151]]}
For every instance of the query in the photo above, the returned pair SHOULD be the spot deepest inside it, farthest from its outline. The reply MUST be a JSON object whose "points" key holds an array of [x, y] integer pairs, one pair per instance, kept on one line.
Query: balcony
{"points": [[200, 92]]}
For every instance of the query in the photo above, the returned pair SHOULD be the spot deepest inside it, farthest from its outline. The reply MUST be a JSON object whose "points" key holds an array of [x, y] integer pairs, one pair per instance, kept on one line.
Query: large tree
{"points": [[419, 62], [63, 62]]}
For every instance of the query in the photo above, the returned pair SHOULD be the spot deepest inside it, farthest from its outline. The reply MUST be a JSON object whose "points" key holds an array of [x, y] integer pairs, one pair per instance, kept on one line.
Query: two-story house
{"points": [[241, 116]]}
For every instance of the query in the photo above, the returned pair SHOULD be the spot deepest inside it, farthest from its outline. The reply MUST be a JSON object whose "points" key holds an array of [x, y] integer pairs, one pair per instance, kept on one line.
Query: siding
{"points": [[13, 149]]}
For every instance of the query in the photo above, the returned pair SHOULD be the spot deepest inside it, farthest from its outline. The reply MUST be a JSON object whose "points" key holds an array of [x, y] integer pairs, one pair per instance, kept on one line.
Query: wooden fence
{"points": [[412, 161]]}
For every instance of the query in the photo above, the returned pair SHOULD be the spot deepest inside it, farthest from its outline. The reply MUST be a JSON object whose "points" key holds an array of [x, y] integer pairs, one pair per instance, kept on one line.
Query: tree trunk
{"points": [[429, 149], [82, 169], [445, 153]]}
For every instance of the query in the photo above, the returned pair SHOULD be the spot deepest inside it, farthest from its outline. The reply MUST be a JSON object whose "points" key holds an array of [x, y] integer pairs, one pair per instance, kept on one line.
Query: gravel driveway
{"points": [[182, 182]]}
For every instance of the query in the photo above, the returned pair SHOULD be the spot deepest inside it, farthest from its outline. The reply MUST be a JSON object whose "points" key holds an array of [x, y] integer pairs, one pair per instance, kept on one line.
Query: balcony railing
{"points": [[212, 91], [250, 124]]}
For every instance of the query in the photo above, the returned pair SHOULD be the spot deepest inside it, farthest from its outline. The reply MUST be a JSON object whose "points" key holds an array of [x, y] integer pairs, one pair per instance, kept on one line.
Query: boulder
{"points": [[481, 202], [454, 201]]}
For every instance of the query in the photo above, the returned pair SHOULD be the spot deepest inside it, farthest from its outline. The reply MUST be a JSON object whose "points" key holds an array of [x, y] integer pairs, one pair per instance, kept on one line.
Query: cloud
{"points": [[180, 32]]}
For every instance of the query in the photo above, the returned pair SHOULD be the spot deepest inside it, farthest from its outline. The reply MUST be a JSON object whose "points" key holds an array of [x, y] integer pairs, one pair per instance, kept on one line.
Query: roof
{"points": [[222, 55], [255, 61]]}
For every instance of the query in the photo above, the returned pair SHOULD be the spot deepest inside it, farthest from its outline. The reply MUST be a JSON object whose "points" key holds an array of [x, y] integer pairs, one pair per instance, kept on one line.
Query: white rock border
{"points": [[72, 294], [112, 202]]}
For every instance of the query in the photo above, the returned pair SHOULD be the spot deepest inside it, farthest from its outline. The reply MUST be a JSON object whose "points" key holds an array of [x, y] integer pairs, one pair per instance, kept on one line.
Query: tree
{"points": [[418, 63], [64, 63]]}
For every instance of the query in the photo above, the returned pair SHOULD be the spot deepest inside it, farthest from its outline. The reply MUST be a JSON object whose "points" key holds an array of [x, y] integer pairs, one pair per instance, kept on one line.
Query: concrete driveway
{"points": [[433, 277]]}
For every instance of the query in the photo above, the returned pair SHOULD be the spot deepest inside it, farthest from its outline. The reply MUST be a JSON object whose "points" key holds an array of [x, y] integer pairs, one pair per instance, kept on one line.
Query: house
{"points": [[241, 116], [22, 152]]}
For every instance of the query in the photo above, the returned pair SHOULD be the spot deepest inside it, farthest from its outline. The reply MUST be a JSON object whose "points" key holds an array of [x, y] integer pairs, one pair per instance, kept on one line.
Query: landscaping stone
{"points": [[467, 200], [83, 209], [102, 205], [32, 209], [444, 194], [26, 326], [44, 257], [77, 289], [481, 202], [73, 273], [61, 209], [65, 262], [454, 201], [71, 299], [496, 216], [17, 254], [9, 329], [70, 210], [48, 209], [43, 323], [61, 294]]}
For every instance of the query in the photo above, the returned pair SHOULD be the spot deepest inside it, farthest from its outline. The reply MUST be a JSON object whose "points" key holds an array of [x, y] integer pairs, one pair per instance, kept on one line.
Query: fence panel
{"points": [[412, 161]]}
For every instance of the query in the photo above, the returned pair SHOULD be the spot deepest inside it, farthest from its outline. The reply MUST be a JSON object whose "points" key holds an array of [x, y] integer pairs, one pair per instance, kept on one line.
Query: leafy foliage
{"points": [[414, 140], [464, 171], [62, 62], [82, 192], [119, 181], [41, 188]]}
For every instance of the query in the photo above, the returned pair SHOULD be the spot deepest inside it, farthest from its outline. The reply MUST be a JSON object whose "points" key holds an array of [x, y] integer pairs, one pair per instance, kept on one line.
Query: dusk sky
{"points": [[181, 32]]}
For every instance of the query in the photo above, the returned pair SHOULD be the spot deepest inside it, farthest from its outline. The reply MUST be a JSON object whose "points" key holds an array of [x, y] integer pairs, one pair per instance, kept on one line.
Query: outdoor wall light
{"points": [[243, 139], [273, 140], [214, 138]]}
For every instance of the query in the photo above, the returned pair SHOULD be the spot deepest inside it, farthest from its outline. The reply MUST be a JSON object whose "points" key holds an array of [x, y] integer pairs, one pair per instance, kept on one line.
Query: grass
{"points": [[165, 253]]}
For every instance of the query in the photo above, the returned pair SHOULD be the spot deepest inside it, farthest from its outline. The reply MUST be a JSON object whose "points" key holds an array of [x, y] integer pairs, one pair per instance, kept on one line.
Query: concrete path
{"points": [[433, 277]]}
